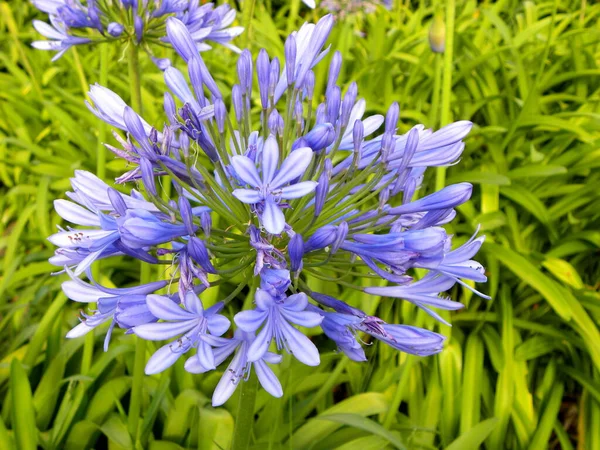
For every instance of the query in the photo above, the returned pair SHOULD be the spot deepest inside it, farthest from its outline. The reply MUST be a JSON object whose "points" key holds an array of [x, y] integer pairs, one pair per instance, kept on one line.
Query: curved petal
{"points": [[261, 344], [218, 324], [270, 159], [303, 318], [250, 320], [296, 302], [81, 292], [162, 359], [228, 382], [205, 356], [79, 330], [163, 330], [246, 170], [192, 365], [298, 190], [193, 304], [247, 196], [300, 346], [293, 167], [272, 218], [164, 308], [74, 213], [267, 379]]}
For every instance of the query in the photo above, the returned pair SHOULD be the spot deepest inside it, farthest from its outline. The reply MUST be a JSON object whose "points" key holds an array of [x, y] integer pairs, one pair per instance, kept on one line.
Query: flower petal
{"points": [[270, 159], [298, 190], [246, 170], [272, 218], [267, 379], [162, 359], [261, 344], [251, 320], [303, 318], [293, 167], [74, 213], [299, 345], [218, 324], [247, 196], [163, 330], [205, 356], [166, 309]]}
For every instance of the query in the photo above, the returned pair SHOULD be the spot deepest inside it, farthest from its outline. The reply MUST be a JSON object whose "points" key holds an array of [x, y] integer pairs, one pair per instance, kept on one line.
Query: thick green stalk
{"points": [[447, 82], [245, 414], [137, 384], [135, 82]]}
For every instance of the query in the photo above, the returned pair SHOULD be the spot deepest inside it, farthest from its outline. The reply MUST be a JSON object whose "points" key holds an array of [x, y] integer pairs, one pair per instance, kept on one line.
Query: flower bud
{"points": [[117, 202], [296, 251], [195, 72], [244, 68], [437, 34], [220, 115], [273, 76], [263, 69], [320, 137], [334, 70], [115, 29], [333, 105], [391, 118], [290, 59], [138, 25], [309, 85], [148, 176], [238, 104]]}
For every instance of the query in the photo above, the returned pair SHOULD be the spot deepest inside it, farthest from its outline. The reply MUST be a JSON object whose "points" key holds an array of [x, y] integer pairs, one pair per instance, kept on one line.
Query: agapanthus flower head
{"points": [[74, 22], [299, 192]]}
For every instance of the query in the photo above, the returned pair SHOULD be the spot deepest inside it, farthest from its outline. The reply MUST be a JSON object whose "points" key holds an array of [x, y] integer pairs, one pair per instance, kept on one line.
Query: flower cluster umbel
{"points": [[139, 22], [267, 203]]}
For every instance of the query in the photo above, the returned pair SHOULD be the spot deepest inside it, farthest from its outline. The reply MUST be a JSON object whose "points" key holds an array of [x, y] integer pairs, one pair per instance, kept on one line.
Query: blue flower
{"points": [[125, 307], [191, 323], [70, 19], [269, 187], [240, 367], [277, 313]]}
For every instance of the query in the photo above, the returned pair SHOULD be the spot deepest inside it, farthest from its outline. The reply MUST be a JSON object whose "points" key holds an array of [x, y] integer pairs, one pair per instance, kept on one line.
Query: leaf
{"points": [[472, 439], [23, 413], [564, 271], [357, 421], [366, 404], [116, 431]]}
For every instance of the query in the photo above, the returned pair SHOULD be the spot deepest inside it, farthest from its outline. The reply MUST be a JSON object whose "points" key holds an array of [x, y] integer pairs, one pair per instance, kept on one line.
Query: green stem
{"points": [[80, 73], [447, 82], [434, 113], [247, 14], [102, 128], [245, 414], [135, 82], [137, 384], [294, 9]]}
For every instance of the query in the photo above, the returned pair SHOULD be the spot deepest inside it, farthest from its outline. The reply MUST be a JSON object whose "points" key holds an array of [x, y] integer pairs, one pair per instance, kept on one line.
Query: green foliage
{"points": [[519, 371]]}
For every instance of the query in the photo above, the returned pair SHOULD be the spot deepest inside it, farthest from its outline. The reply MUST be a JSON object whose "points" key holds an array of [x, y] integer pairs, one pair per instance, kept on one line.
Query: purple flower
{"points": [[191, 323], [269, 187], [277, 314]]}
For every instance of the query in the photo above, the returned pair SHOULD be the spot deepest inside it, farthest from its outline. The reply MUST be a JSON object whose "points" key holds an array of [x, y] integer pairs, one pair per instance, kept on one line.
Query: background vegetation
{"points": [[520, 371]]}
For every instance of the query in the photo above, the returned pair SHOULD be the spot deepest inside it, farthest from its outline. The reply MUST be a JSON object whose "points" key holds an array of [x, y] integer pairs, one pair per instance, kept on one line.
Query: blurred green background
{"points": [[520, 371]]}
